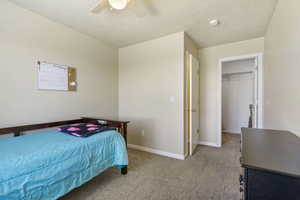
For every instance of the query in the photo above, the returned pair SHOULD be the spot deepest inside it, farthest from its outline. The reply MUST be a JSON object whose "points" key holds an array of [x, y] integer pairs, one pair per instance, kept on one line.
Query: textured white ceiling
{"points": [[240, 19]]}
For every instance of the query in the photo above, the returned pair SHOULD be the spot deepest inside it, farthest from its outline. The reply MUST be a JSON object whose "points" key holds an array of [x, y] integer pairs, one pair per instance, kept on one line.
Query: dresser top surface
{"points": [[271, 150]]}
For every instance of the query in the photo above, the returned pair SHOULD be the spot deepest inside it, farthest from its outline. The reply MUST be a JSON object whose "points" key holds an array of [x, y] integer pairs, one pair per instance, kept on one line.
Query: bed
{"points": [[48, 164]]}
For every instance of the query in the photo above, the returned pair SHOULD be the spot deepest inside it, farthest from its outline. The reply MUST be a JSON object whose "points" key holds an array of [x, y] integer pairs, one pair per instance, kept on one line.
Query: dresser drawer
{"points": [[263, 185]]}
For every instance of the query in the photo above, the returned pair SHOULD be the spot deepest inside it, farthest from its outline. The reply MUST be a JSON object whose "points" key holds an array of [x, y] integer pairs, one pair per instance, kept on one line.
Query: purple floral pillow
{"points": [[84, 130]]}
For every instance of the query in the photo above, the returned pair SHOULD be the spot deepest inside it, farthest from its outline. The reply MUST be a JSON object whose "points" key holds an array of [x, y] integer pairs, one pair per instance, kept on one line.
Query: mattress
{"points": [[46, 165]]}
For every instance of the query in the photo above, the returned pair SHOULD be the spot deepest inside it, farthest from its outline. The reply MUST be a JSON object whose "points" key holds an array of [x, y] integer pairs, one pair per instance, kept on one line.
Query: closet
{"points": [[238, 93]]}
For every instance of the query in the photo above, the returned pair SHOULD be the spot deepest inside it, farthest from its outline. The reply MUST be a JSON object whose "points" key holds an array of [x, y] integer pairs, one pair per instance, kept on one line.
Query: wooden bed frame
{"points": [[19, 130]]}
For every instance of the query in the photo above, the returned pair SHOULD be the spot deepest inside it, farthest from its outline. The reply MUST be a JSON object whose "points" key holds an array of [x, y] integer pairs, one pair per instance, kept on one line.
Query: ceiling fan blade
{"points": [[101, 4]]}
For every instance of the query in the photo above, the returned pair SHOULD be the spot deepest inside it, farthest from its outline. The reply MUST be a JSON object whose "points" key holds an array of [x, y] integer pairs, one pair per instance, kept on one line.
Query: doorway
{"points": [[241, 93], [192, 97]]}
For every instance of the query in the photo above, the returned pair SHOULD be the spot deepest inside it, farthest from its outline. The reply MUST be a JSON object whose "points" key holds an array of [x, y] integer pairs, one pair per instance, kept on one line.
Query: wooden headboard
{"points": [[19, 130]]}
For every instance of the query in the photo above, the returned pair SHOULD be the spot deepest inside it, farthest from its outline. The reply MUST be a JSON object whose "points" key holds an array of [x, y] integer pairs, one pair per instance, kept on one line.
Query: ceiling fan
{"points": [[140, 7]]}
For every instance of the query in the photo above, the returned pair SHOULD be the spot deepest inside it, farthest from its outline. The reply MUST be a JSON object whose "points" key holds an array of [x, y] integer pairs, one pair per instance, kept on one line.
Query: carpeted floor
{"points": [[211, 174]]}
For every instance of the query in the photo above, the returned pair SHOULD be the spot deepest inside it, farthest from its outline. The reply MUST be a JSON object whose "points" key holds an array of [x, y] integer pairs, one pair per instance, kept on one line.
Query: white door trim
{"points": [[182, 95], [259, 57], [192, 141]]}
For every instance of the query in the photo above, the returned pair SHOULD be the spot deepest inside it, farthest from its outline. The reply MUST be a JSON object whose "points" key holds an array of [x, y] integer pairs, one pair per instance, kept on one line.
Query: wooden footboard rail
{"points": [[120, 125], [19, 130]]}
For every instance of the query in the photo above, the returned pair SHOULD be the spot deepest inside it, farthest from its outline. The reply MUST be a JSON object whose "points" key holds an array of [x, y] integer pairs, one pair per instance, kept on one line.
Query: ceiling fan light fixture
{"points": [[118, 4], [214, 22]]}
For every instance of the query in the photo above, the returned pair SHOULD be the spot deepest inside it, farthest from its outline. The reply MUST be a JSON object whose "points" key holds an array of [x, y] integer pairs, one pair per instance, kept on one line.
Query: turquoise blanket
{"points": [[49, 164]]}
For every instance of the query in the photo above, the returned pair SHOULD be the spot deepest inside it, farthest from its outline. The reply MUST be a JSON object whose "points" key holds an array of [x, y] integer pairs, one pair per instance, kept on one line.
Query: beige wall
{"points": [[282, 68], [25, 38], [150, 92], [209, 83]]}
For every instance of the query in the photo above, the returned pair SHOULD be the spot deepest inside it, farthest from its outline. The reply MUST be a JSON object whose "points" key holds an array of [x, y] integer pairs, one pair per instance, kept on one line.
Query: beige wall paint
{"points": [[282, 68], [209, 83], [150, 75], [26, 37]]}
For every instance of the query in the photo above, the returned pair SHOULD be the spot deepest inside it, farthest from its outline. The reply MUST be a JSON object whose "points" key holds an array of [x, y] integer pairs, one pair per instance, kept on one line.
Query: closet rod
{"points": [[236, 73]]}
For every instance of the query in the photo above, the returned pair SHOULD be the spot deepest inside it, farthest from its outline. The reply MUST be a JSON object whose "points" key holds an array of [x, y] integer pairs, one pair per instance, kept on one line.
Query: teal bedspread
{"points": [[49, 164]]}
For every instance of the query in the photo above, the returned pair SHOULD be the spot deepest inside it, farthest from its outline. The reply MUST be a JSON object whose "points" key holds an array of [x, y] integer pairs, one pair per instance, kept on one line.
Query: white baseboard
{"points": [[155, 151], [211, 144]]}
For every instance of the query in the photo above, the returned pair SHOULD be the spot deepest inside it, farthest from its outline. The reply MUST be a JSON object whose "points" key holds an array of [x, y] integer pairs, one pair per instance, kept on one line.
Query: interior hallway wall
{"points": [[150, 93], [210, 73]]}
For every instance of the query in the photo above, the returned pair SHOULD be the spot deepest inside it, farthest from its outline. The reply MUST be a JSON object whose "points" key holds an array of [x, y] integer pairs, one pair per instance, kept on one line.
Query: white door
{"points": [[255, 95], [193, 104]]}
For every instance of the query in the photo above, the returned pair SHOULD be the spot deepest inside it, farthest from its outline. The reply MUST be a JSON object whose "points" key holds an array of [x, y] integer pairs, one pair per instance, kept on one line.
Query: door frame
{"points": [[186, 101], [189, 98], [260, 105]]}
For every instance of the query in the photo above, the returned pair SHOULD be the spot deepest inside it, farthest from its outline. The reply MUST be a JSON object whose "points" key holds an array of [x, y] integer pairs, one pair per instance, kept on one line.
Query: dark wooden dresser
{"points": [[271, 165]]}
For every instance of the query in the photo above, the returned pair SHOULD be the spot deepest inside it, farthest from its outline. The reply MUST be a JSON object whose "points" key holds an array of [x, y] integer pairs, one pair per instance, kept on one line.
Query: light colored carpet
{"points": [[211, 174]]}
